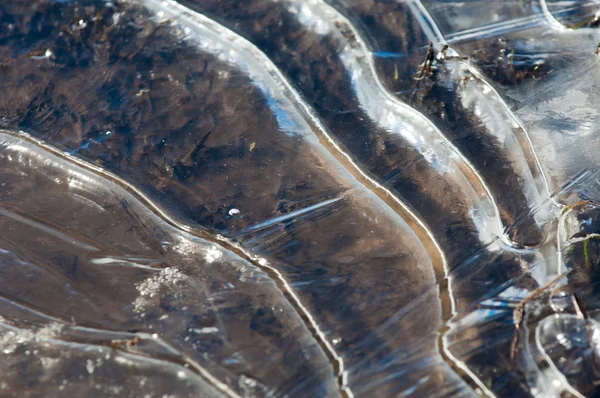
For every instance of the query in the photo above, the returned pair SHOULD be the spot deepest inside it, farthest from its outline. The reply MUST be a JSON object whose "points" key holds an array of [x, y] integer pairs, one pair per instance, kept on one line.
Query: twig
{"points": [[519, 311], [429, 58]]}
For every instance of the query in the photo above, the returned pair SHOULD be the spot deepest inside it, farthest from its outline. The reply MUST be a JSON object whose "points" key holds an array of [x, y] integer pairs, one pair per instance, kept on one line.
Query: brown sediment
{"points": [[416, 224], [274, 274], [390, 27], [435, 199], [497, 60], [50, 123]]}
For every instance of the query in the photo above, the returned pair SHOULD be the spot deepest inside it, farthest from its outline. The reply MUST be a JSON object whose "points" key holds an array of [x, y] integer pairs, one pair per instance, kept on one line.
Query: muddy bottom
{"points": [[286, 199]]}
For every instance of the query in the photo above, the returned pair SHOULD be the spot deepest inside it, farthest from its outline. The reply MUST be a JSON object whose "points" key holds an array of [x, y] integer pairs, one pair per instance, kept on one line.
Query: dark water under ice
{"points": [[299, 198]]}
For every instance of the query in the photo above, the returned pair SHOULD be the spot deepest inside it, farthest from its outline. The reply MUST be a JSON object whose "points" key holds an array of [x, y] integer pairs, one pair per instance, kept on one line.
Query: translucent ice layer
{"points": [[299, 198]]}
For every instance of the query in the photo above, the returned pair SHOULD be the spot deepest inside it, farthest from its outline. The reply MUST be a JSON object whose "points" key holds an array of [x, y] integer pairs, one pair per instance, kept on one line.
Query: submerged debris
{"points": [[508, 64], [124, 344], [426, 69]]}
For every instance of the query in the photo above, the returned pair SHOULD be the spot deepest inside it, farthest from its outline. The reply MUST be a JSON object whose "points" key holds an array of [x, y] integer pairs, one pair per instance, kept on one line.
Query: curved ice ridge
{"points": [[21, 142], [519, 148], [495, 28], [554, 23], [255, 63], [502, 123], [500, 120], [191, 366], [234, 49], [397, 117], [546, 19], [560, 380], [392, 116]]}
